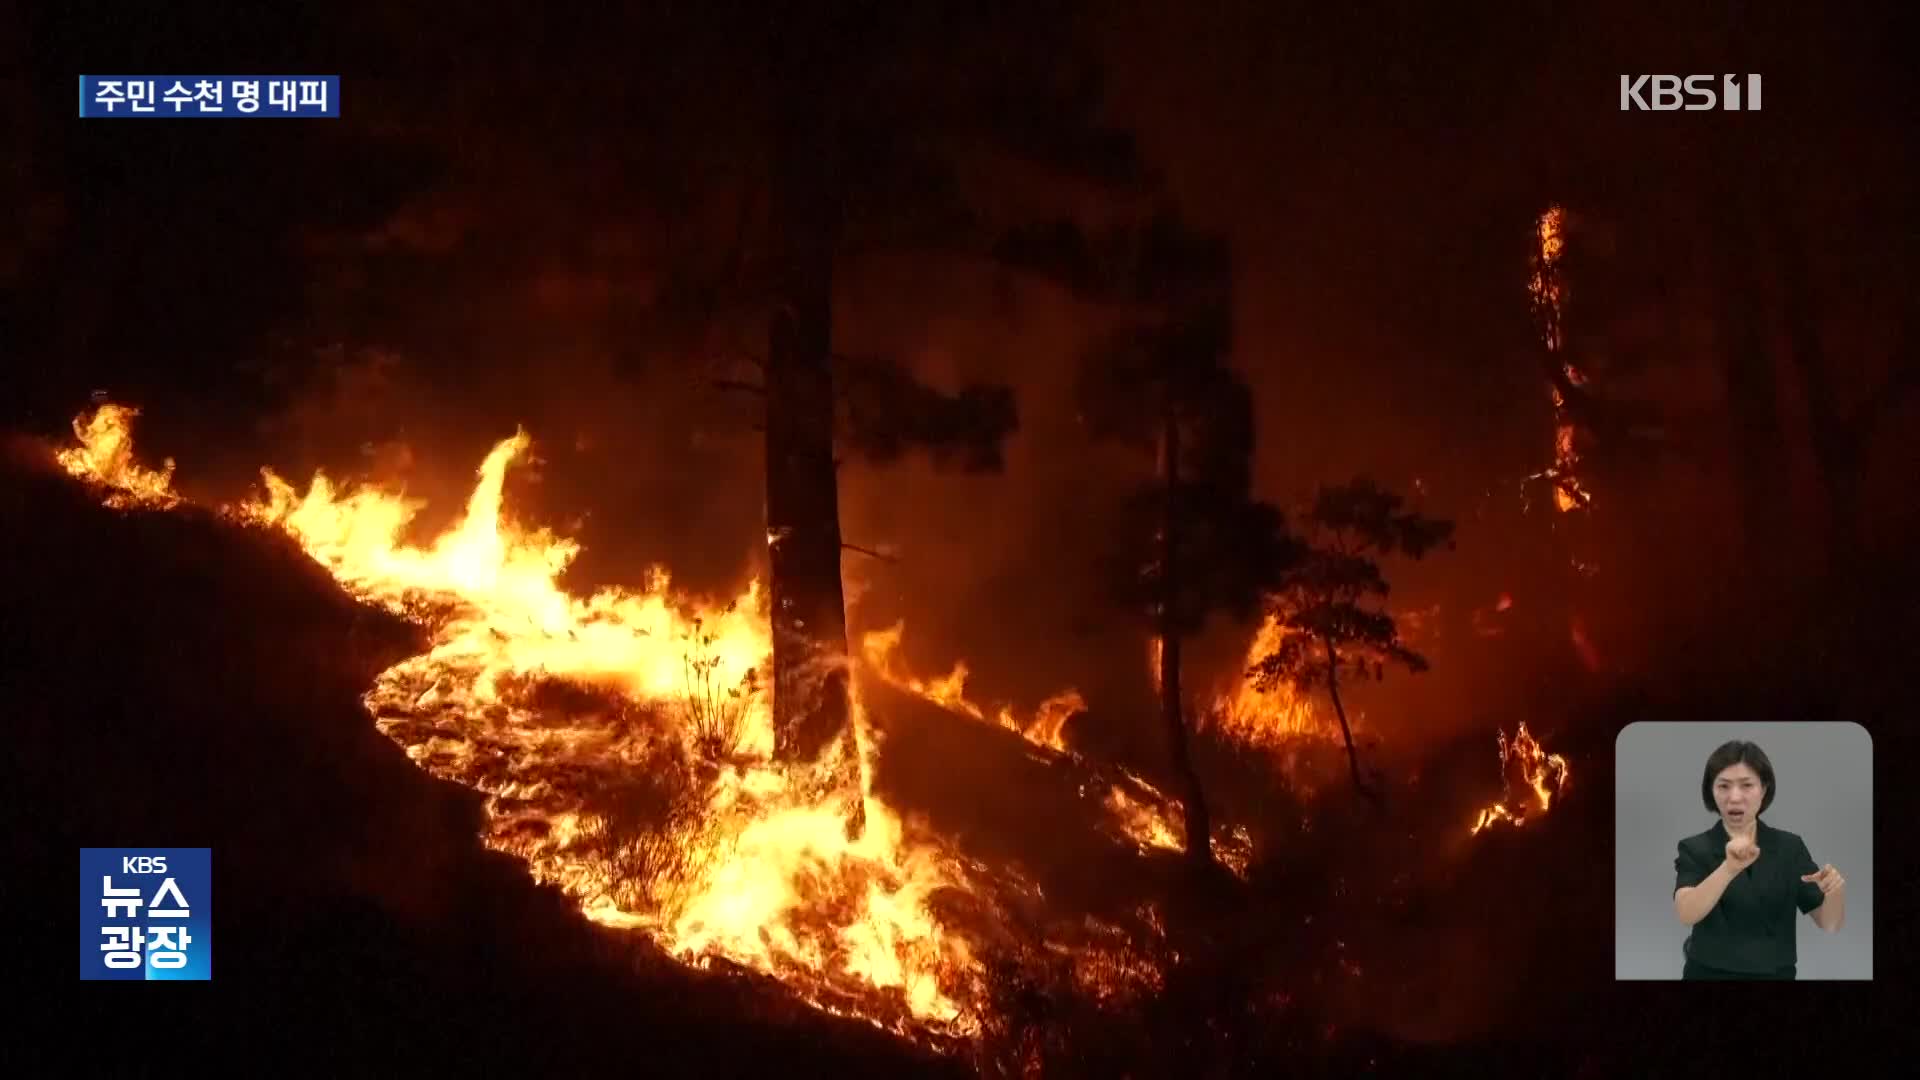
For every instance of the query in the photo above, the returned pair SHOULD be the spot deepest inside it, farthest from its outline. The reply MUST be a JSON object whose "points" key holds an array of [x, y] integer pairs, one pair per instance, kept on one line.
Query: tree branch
{"points": [[1902, 381], [870, 553]]}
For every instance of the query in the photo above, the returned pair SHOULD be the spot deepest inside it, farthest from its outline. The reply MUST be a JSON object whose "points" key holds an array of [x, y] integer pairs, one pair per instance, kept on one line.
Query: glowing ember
{"points": [[1530, 779], [1547, 291], [623, 743], [1545, 286], [1146, 817], [1152, 822], [1233, 847], [105, 457], [1107, 964]]}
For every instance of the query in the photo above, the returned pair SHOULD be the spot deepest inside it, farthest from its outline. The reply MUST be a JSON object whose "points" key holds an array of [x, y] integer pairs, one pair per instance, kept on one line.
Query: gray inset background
{"points": [[1823, 776]]}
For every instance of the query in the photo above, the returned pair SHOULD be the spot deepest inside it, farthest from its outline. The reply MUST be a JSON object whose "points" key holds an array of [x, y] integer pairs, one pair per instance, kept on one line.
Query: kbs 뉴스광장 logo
{"points": [[146, 913]]}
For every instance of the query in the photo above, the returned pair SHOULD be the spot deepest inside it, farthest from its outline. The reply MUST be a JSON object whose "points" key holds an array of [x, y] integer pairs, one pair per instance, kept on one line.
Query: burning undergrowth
{"points": [[625, 752], [955, 872], [623, 745]]}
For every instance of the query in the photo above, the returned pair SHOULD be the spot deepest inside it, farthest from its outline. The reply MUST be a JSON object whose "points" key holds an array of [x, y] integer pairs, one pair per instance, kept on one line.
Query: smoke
{"points": [[458, 272]]}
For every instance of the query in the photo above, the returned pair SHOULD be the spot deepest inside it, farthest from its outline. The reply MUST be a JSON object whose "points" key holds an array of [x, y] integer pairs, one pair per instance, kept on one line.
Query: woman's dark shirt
{"points": [[1751, 929]]}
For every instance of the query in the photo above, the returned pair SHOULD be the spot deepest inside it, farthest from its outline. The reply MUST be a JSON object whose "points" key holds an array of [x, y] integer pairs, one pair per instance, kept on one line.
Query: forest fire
{"points": [[576, 716], [1137, 811], [1273, 716], [672, 507], [1547, 291], [1530, 780], [624, 746], [105, 455], [1044, 728]]}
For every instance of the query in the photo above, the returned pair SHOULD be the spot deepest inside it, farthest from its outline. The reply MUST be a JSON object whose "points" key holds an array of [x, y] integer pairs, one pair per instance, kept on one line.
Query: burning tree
{"points": [[860, 131], [1194, 542], [1330, 604], [1526, 769], [721, 219]]}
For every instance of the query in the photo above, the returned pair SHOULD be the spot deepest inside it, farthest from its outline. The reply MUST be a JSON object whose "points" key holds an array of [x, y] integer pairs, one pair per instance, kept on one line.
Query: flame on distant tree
{"points": [[1530, 780], [1269, 717], [1547, 290]]}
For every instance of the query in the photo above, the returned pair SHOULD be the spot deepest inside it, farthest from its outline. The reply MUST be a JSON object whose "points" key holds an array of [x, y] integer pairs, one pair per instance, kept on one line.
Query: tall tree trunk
{"points": [[811, 706], [1758, 438], [1199, 825], [1834, 440], [1333, 688]]}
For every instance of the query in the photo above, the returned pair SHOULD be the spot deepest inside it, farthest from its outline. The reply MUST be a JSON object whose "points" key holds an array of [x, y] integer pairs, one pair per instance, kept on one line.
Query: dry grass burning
{"points": [[623, 742]]}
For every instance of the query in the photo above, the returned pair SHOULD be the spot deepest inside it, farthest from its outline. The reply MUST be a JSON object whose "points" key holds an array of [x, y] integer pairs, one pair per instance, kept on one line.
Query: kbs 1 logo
{"points": [[1663, 93], [146, 913]]}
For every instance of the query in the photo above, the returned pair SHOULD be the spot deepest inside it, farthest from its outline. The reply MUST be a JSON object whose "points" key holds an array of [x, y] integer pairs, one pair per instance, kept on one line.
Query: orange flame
{"points": [[1147, 818], [757, 867], [105, 458], [1548, 291], [1268, 717], [1142, 814], [1525, 768], [1045, 728], [1545, 285], [1153, 821]]}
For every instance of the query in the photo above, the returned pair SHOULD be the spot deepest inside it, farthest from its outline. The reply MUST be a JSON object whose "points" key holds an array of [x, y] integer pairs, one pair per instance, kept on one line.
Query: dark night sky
{"points": [[1376, 171]]}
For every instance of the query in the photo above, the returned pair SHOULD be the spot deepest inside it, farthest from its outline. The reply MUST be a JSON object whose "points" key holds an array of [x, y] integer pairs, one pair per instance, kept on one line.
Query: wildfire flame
{"points": [[1138, 811], [1154, 822], [105, 457], [1148, 825], [1045, 728], [1526, 769], [1269, 717], [1548, 292], [1545, 286], [757, 865]]}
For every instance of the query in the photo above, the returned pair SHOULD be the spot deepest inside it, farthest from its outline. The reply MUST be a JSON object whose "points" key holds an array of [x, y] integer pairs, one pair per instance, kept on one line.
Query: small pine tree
{"points": [[1332, 602]]}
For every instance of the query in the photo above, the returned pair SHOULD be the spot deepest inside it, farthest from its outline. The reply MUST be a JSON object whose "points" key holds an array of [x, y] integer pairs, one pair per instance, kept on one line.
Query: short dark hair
{"points": [[1737, 752]]}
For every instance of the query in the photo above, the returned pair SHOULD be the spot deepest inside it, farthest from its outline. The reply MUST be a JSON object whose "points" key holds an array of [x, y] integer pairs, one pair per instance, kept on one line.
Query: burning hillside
{"points": [[171, 675], [623, 744], [105, 456], [567, 713]]}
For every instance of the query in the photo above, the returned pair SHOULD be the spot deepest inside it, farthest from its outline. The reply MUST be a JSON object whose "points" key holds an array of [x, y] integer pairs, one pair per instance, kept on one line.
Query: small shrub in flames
{"points": [[715, 714]]}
